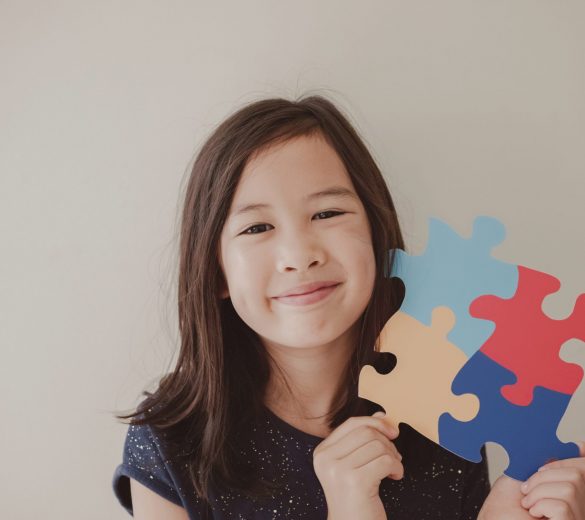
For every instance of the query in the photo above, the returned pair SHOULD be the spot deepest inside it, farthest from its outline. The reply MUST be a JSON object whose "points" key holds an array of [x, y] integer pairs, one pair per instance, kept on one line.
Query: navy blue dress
{"points": [[436, 484]]}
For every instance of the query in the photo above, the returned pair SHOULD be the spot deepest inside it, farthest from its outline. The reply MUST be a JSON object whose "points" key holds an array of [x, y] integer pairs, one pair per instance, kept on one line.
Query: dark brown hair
{"points": [[222, 370]]}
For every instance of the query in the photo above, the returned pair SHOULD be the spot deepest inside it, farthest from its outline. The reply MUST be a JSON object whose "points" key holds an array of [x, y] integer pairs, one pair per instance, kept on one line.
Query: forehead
{"points": [[293, 169]]}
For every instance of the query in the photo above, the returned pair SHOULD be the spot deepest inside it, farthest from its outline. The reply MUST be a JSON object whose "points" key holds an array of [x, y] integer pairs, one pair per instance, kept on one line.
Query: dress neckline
{"points": [[309, 437]]}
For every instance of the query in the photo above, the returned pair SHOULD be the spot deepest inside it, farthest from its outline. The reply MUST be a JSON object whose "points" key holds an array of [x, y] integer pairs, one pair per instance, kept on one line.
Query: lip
{"points": [[307, 288], [308, 298]]}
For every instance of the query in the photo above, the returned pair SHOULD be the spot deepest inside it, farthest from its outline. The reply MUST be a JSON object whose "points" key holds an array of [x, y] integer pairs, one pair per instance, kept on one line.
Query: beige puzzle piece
{"points": [[418, 391]]}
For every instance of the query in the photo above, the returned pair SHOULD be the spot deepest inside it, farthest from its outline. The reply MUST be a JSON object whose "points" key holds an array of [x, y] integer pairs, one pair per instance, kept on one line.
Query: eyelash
{"points": [[245, 232]]}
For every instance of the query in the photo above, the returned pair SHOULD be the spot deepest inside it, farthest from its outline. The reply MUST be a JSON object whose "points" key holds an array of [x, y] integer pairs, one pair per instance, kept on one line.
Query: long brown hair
{"points": [[219, 381]]}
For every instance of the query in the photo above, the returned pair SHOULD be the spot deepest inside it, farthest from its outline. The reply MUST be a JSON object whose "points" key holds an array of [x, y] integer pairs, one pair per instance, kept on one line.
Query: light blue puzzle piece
{"points": [[454, 271]]}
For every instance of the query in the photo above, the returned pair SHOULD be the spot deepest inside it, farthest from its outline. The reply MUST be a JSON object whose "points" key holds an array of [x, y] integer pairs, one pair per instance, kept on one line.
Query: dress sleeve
{"points": [[476, 487], [143, 460]]}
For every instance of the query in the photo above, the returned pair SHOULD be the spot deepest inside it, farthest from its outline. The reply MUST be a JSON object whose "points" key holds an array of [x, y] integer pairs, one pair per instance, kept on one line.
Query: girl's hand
{"points": [[350, 464], [504, 501], [557, 493], [557, 490]]}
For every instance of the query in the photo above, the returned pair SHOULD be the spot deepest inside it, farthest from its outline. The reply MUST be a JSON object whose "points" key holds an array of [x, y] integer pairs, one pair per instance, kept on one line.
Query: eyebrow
{"points": [[333, 191]]}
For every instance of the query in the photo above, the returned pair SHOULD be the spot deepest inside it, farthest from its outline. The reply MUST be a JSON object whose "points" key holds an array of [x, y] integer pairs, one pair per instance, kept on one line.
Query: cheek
{"points": [[245, 273], [249, 293], [356, 246], [360, 262]]}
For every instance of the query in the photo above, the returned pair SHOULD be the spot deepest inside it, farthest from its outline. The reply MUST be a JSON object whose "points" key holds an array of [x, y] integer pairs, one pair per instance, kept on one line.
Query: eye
{"points": [[246, 231], [331, 211]]}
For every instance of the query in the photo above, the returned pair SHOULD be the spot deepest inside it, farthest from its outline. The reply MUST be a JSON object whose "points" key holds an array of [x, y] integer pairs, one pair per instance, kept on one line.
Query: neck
{"points": [[314, 375]]}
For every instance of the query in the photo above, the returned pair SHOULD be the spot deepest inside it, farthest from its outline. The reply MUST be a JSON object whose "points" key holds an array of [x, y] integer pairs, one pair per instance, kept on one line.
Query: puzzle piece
{"points": [[527, 342], [454, 271], [527, 433], [418, 390]]}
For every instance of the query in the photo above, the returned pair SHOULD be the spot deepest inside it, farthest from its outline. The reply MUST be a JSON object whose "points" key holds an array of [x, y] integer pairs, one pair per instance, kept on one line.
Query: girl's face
{"points": [[295, 238]]}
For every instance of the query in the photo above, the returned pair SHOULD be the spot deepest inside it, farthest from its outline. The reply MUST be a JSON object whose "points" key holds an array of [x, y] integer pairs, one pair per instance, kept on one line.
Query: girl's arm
{"points": [[148, 505], [504, 502]]}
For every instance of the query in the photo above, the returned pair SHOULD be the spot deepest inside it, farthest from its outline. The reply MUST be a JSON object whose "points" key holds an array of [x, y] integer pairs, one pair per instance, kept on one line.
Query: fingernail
{"points": [[524, 487]]}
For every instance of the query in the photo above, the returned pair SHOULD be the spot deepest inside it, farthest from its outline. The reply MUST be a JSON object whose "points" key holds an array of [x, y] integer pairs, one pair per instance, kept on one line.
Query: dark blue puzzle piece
{"points": [[454, 271], [527, 433]]}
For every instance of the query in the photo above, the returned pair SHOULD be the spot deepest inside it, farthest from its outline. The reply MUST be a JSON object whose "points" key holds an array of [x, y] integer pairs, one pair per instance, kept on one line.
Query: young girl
{"points": [[282, 293]]}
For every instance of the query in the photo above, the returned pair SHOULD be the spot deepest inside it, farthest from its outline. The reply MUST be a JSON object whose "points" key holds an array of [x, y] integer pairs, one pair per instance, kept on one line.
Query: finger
{"points": [[565, 492], [572, 475], [552, 509], [391, 426], [382, 467], [354, 422], [578, 462], [368, 452], [358, 438]]}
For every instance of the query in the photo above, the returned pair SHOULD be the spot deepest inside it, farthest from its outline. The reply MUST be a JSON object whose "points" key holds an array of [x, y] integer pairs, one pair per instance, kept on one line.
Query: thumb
{"points": [[379, 414]]}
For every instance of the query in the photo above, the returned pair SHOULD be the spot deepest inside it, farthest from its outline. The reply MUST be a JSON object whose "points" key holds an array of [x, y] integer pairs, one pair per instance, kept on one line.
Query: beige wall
{"points": [[470, 107]]}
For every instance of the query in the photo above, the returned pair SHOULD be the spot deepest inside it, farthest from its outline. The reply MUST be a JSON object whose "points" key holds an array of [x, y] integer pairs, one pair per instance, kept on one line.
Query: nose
{"points": [[298, 251]]}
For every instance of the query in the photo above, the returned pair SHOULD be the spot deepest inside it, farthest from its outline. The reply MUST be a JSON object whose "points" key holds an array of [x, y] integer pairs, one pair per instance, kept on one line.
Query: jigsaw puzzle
{"points": [[527, 433], [472, 327], [536, 338], [453, 271], [426, 360]]}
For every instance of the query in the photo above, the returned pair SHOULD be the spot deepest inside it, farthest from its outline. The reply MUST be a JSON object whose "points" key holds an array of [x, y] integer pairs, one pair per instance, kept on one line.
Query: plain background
{"points": [[470, 107]]}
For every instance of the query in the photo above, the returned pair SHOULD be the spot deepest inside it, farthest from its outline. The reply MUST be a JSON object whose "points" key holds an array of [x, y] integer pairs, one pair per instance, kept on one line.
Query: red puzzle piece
{"points": [[526, 341]]}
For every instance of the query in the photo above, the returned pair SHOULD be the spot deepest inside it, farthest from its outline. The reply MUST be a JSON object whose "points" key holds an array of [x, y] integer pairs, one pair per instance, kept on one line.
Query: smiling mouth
{"points": [[308, 298]]}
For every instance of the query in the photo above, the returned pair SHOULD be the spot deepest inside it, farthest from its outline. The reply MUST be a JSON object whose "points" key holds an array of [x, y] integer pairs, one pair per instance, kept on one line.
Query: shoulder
{"points": [[144, 448]]}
